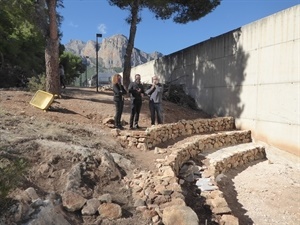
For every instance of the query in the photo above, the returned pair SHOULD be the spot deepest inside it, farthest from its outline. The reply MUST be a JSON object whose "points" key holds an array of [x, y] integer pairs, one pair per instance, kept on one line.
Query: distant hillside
{"points": [[111, 52]]}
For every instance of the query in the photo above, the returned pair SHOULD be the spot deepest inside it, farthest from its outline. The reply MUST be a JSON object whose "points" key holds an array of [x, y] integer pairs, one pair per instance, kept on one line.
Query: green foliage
{"points": [[73, 66], [175, 93], [181, 11], [117, 69], [24, 26], [37, 83], [21, 42], [11, 172]]}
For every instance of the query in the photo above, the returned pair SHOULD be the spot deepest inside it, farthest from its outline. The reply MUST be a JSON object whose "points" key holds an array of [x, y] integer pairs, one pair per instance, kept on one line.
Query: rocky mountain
{"points": [[111, 52]]}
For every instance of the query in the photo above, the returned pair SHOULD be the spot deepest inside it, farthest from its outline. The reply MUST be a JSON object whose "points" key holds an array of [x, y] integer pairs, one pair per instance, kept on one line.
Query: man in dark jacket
{"points": [[137, 92], [155, 93]]}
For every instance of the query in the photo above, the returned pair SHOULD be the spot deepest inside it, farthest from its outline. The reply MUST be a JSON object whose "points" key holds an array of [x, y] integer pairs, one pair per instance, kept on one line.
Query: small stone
{"points": [[32, 194], [105, 198]]}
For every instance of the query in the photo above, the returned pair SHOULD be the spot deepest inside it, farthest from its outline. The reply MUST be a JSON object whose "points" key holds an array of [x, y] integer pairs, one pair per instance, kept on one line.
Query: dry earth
{"points": [[263, 193]]}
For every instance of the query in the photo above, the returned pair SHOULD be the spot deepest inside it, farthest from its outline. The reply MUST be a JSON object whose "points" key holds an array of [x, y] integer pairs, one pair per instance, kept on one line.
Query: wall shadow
{"points": [[212, 72], [226, 185]]}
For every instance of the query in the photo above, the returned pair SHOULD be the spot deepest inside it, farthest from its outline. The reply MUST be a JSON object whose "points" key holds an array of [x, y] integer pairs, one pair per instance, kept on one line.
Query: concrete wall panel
{"points": [[249, 95], [279, 63], [203, 98], [251, 68], [249, 37], [246, 124], [278, 103], [283, 136]]}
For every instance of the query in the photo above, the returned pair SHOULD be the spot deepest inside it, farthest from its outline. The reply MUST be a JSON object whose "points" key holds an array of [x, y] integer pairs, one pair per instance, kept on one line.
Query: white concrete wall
{"points": [[251, 73], [146, 71]]}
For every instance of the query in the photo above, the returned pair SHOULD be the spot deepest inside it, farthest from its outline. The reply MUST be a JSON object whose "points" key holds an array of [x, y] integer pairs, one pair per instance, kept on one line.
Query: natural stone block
{"points": [[72, 201], [91, 207], [110, 211], [229, 220], [179, 215]]}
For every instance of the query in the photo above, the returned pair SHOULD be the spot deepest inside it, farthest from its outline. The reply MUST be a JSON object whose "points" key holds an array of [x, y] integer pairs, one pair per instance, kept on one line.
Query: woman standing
{"points": [[119, 93]]}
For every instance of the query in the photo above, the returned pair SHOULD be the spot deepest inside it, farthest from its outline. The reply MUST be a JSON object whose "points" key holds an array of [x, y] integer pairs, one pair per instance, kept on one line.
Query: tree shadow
{"points": [[71, 91], [64, 111], [106, 101], [212, 72]]}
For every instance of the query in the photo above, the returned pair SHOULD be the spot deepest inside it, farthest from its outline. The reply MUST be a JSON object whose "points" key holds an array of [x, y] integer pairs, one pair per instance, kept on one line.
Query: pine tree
{"points": [[181, 11]]}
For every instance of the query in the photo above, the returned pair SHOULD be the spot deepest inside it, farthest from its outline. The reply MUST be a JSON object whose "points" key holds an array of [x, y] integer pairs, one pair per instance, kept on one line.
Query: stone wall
{"points": [[223, 164], [155, 135]]}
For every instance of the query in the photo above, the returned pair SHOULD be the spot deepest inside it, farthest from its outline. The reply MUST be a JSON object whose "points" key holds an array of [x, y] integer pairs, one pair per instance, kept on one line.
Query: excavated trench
{"points": [[190, 174]]}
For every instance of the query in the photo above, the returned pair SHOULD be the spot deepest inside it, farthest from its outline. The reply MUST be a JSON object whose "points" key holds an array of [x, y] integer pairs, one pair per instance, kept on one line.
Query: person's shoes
{"points": [[120, 127], [136, 127], [131, 128]]}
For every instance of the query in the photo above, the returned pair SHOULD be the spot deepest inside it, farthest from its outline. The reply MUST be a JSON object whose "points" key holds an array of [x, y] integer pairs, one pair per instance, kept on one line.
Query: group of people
{"points": [[137, 92]]}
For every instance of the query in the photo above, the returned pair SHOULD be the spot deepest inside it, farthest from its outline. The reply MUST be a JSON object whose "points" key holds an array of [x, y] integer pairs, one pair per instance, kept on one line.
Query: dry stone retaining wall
{"points": [[232, 159], [205, 143], [161, 133]]}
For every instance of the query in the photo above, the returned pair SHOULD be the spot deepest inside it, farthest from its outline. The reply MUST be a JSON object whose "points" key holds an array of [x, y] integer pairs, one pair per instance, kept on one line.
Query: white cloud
{"points": [[71, 24], [102, 28]]}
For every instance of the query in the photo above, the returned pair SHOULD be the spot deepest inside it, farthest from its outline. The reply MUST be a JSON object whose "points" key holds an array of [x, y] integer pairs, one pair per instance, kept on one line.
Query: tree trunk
{"points": [[1, 60], [129, 48], [52, 51]]}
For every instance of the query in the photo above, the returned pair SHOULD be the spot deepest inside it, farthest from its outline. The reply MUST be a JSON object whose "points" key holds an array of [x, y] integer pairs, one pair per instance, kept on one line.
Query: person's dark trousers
{"points": [[62, 82], [155, 108], [135, 112], [119, 109]]}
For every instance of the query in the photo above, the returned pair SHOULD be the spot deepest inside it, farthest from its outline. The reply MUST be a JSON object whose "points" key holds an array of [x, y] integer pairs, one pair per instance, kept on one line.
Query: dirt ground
{"points": [[263, 193]]}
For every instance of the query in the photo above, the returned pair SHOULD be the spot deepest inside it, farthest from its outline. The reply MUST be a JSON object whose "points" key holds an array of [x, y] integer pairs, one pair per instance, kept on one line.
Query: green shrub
{"points": [[11, 173], [37, 83]]}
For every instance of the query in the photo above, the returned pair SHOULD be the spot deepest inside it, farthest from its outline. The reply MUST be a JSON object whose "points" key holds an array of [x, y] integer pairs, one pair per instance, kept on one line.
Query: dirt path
{"points": [[265, 192]]}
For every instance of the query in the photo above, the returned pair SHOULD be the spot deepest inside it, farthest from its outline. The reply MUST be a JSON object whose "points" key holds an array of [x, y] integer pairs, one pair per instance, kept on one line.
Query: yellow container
{"points": [[42, 100]]}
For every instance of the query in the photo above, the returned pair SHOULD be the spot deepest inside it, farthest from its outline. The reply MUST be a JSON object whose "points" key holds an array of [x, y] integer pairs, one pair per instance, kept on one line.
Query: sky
{"points": [[83, 19]]}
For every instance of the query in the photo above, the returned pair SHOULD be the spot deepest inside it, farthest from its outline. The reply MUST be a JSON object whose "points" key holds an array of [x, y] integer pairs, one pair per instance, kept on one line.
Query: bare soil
{"points": [[263, 193]]}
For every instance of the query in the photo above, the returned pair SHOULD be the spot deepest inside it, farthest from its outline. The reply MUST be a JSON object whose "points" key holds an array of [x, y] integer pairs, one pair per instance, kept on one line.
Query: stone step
{"points": [[190, 147], [216, 140], [226, 158]]}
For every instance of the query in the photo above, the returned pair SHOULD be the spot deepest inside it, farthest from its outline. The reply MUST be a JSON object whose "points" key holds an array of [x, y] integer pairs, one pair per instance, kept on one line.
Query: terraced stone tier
{"points": [[161, 133], [227, 158], [209, 142]]}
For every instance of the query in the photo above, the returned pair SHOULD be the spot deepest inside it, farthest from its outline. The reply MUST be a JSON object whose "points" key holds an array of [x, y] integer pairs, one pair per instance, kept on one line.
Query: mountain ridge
{"points": [[111, 52]]}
